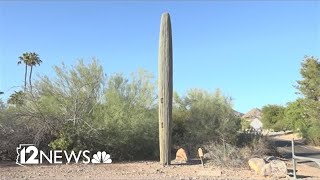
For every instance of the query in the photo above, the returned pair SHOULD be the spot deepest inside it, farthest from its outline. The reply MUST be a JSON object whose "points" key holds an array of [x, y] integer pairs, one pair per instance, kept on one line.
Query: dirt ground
{"points": [[142, 170], [136, 170], [289, 136]]}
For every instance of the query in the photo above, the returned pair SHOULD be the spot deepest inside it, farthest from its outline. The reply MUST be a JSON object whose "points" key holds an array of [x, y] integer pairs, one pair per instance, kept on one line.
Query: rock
{"points": [[278, 168], [275, 168], [181, 155], [256, 164], [209, 156], [266, 170]]}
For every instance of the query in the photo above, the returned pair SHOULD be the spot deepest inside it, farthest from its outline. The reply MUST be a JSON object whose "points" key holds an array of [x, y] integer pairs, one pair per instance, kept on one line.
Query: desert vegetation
{"points": [[82, 108]]}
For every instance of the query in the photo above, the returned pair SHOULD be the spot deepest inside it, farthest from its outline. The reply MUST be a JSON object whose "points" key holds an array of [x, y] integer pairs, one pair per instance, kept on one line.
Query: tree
{"points": [[208, 117], [86, 110], [24, 59], [127, 118], [72, 96], [33, 60], [17, 98], [295, 115], [29, 59], [309, 87], [273, 117]]}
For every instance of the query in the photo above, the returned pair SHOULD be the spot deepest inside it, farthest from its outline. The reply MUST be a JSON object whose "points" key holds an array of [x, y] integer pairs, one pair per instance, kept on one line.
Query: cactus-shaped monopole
{"points": [[165, 89]]}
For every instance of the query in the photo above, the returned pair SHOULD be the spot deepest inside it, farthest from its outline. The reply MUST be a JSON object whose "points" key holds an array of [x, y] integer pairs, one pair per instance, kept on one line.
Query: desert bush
{"points": [[247, 137], [245, 124], [273, 117], [237, 156], [201, 117], [228, 155], [79, 108], [20, 124], [9, 136], [128, 117], [312, 134], [263, 147], [15, 130], [118, 116]]}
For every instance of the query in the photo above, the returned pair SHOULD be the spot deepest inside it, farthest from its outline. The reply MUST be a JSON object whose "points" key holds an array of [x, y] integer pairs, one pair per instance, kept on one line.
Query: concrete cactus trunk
{"points": [[165, 89]]}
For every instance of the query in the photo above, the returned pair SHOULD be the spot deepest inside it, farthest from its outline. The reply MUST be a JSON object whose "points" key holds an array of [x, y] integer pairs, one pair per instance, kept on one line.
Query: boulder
{"points": [[256, 164], [276, 168], [266, 170], [207, 156], [181, 155]]}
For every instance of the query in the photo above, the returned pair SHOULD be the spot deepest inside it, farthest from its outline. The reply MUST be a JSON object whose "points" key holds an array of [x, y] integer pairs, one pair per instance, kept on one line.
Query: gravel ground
{"points": [[135, 170]]}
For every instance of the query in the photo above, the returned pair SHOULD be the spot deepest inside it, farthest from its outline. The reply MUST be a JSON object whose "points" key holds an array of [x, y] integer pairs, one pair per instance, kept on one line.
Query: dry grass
{"points": [[232, 156]]}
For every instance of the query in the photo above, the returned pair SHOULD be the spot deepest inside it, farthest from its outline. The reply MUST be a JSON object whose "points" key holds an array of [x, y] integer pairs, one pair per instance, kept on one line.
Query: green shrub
{"points": [[201, 117], [245, 124], [273, 117], [313, 134]]}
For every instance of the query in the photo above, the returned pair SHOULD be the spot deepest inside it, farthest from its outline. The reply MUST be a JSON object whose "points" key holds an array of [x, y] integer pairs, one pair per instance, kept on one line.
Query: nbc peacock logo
{"points": [[101, 157]]}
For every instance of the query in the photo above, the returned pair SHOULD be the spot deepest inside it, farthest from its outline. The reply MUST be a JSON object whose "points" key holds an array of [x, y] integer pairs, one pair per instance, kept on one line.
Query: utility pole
{"points": [[165, 89]]}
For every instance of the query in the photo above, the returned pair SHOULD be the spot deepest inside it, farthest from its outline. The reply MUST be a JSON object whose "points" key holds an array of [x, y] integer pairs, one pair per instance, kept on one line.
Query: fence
{"points": [[295, 158]]}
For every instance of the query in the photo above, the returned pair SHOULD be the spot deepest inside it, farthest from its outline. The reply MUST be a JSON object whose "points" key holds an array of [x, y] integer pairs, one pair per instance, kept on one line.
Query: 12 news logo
{"points": [[29, 154]]}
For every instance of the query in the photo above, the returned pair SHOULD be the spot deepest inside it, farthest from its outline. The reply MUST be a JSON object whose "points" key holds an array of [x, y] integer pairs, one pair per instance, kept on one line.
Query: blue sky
{"points": [[251, 50]]}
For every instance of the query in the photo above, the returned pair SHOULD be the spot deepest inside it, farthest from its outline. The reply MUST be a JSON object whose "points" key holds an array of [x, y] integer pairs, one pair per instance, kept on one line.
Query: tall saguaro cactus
{"points": [[165, 89]]}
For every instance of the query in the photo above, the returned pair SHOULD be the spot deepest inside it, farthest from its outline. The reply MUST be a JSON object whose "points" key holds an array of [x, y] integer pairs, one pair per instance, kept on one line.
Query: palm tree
{"points": [[24, 59], [29, 59], [34, 60], [16, 98]]}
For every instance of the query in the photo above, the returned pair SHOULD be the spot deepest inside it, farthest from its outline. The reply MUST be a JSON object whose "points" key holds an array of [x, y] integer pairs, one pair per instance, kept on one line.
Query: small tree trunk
{"points": [[165, 89], [224, 150], [25, 77]]}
